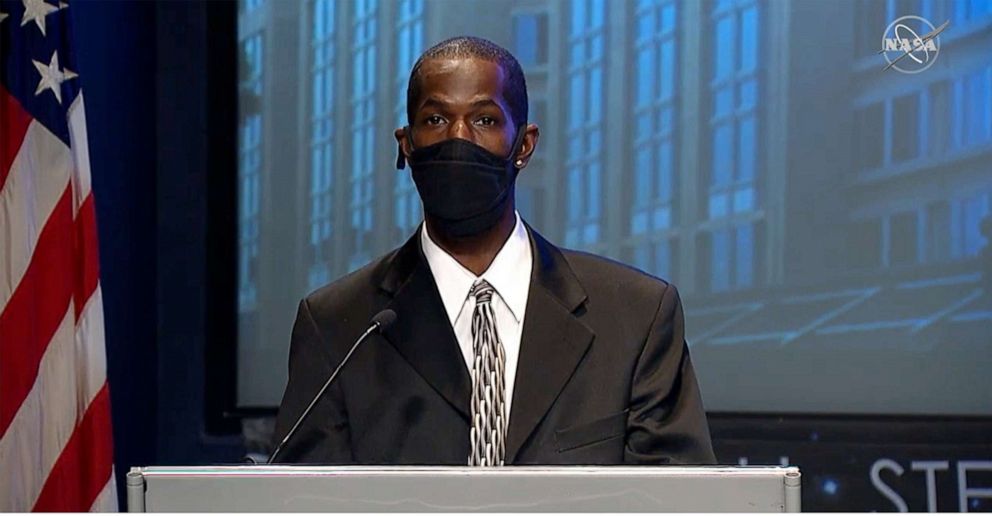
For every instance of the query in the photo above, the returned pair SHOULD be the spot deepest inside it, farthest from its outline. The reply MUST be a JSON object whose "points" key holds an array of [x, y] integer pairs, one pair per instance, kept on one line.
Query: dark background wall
{"points": [[161, 141]]}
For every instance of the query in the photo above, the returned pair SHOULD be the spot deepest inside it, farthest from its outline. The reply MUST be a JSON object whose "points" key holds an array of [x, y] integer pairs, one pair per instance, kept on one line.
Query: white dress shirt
{"points": [[509, 275]]}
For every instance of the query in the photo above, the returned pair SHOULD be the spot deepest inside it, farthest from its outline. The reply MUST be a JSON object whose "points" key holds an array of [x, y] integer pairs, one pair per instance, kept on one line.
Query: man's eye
{"points": [[434, 120], [487, 120]]}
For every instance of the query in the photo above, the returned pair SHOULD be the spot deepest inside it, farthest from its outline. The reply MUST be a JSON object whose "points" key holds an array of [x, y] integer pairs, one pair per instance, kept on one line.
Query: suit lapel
{"points": [[422, 333], [552, 345]]}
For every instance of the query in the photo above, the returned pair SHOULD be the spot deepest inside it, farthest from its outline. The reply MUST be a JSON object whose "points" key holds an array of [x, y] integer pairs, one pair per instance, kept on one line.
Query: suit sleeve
{"points": [[666, 423], [324, 438]]}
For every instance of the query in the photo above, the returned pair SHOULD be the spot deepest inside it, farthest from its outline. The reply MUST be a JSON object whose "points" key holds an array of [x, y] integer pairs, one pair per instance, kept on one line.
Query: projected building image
{"points": [[821, 217]]}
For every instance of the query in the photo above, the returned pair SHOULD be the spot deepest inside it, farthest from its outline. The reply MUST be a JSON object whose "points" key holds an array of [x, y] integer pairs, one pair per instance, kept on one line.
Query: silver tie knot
{"points": [[482, 291]]}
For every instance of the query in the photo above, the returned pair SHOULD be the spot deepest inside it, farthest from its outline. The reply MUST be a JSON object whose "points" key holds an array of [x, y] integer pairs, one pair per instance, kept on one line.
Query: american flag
{"points": [[56, 451]]}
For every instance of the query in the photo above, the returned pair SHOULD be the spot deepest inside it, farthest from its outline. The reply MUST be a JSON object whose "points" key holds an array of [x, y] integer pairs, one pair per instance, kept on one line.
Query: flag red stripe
{"points": [[14, 121], [85, 464], [36, 309], [87, 254]]}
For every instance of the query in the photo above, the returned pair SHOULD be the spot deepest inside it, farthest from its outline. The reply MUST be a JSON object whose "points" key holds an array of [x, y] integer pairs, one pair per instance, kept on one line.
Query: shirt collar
{"points": [[509, 274]]}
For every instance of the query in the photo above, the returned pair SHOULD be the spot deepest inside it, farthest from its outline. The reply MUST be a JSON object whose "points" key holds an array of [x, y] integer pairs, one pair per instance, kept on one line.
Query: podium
{"points": [[444, 489]]}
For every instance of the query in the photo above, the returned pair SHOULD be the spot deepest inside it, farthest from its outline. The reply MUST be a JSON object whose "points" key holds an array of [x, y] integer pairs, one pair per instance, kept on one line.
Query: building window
{"points": [[897, 8], [903, 239], [939, 134], [967, 214], [407, 211], [871, 21], [973, 108], [732, 196], [731, 251], [657, 257], [322, 97], [655, 115], [869, 127], [530, 38], [941, 231], [937, 232], [965, 10], [249, 169], [583, 198], [530, 198], [901, 124], [904, 128], [864, 244], [363, 81]]}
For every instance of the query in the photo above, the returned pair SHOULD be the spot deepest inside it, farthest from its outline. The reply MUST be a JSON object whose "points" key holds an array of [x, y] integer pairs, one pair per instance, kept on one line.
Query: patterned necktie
{"points": [[488, 433]]}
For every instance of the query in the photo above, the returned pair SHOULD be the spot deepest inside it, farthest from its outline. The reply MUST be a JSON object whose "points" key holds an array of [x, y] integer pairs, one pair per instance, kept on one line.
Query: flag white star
{"points": [[2, 16], [35, 11], [52, 76]]}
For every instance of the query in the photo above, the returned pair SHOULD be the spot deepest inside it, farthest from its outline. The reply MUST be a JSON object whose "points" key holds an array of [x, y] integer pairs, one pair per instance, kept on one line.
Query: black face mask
{"points": [[464, 187]]}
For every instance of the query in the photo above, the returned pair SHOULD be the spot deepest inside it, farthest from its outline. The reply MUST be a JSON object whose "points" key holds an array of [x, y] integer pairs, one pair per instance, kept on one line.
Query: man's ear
{"points": [[403, 147], [531, 134]]}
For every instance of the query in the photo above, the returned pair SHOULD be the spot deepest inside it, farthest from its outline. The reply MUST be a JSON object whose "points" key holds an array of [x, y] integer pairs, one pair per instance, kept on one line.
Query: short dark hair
{"points": [[514, 89]]}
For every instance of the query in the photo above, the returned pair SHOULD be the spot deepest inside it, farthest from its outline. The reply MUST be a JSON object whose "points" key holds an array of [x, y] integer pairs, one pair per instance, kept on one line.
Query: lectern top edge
{"points": [[437, 488], [309, 470]]}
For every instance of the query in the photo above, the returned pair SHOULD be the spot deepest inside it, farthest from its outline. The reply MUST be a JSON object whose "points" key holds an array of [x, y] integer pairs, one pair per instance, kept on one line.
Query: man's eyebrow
{"points": [[440, 103], [486, 102], [433, 101]]}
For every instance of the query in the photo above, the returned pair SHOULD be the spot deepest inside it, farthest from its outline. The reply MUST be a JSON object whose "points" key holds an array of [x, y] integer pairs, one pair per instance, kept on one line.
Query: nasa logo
{"points": [[910, 50]]}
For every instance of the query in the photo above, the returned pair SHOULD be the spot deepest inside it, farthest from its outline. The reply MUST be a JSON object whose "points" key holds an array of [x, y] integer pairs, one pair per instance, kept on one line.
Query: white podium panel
{"points": [[441, 489]]}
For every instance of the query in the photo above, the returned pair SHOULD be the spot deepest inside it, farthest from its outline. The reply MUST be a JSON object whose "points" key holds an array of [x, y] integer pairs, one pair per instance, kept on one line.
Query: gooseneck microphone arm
{"points": [[379, 322]]}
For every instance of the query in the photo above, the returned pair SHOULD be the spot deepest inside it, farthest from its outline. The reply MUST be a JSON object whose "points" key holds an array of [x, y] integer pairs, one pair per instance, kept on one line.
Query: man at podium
{"points": [[505, 349]]}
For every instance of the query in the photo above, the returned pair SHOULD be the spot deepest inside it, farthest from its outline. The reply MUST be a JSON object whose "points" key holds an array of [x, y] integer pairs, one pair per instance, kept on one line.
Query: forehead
{"points": [[460, 80]]}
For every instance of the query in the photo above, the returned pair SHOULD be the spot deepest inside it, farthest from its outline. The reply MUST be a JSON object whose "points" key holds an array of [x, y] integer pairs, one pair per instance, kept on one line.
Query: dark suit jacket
{"points": [[604, 375]]}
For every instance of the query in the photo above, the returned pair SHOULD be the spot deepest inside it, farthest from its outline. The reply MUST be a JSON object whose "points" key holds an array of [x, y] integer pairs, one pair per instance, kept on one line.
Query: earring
{"points": [[520, 163]]}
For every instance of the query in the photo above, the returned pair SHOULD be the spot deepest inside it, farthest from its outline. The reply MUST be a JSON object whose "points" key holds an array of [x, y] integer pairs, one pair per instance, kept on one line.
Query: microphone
{"points": [[378, 323]]}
